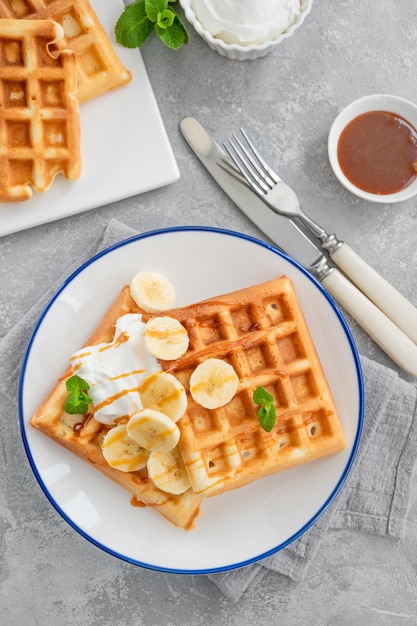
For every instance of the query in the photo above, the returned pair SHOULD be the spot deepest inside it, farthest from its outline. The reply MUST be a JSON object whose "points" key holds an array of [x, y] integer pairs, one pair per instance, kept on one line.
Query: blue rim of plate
{"points": [[342, 478]]}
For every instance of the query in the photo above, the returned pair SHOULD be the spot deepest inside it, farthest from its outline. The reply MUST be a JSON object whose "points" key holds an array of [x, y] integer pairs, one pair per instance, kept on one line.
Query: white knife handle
{"points": [[378, 326], [377, 289]]}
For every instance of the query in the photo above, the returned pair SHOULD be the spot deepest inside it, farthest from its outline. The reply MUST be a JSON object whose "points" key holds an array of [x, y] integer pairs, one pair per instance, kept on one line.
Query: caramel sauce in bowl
{"points": [[372, 148]]}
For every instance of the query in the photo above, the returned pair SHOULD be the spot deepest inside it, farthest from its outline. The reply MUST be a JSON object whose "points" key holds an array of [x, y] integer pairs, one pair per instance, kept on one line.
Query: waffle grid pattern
{"points": [[83, 436], [265, 338], [39, 120], [99, 68]]}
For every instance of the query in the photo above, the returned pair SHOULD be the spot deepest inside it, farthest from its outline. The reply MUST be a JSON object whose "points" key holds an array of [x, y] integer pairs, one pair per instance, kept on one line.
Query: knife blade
{"points": [[214, 159], [290, 239]]}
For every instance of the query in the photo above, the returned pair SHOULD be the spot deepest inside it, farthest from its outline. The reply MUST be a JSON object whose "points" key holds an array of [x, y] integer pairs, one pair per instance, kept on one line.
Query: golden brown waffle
{"points": [[83, 436], [99, 68], [262, 333], [39, 118]]}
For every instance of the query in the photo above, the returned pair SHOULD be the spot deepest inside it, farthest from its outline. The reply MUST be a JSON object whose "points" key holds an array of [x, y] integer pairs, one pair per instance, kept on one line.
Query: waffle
{"points": [[262, 333], [99, 68], [84, 438], [39, 118]]}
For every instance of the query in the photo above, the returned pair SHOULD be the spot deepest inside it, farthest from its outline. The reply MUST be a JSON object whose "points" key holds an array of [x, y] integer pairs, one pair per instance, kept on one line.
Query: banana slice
{"points": [[163, 392], [213, 383], [152, 292], [153, 430], [165, 338], [122, 452], [167, 471]]}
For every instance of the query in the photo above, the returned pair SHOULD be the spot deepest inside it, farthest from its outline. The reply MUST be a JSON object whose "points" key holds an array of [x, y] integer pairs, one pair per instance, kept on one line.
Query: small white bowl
{"points": [[376, 102], [238, 52]]}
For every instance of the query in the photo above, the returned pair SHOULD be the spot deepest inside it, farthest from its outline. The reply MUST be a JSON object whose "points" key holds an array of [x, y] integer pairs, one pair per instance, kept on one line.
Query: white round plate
{"points": [[235, 528]]}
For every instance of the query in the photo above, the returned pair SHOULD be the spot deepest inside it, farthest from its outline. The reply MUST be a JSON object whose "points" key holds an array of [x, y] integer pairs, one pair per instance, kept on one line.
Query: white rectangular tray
{"points": [[124, 145]]}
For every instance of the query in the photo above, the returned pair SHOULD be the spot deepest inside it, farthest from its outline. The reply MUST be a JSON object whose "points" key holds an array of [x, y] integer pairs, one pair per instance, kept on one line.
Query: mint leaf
{"points": [[133, 26], [75, 383], [174, 36], [165, 18], [154, 8], [78, 399], [260, 396], [141, 17], [267, 415]]}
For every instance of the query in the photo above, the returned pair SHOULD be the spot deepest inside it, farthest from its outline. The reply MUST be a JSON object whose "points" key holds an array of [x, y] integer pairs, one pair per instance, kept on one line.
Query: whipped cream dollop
{"points": [[246, 21], [115, 370]]}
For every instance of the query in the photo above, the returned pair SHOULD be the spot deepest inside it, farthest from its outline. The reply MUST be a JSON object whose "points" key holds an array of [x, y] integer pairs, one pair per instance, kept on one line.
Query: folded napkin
{"points": [[376, 494]]}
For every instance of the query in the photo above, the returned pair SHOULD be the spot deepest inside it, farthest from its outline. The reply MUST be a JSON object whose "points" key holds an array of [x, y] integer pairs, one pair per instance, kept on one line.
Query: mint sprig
{"points": [[143, 17], [267, 415], [78, 399]]}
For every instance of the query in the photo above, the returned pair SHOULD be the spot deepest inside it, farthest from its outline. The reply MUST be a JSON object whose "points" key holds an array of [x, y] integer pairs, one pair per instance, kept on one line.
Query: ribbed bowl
{"points": [[238, 52]]}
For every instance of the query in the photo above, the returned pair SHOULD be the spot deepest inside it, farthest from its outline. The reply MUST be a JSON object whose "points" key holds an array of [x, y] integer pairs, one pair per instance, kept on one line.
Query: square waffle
{"points": [[99, 68], [84, 437], [39, 117], [262, 333]]}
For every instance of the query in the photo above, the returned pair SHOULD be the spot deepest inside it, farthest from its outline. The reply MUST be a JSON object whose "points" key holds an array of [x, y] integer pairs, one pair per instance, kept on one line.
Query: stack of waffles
{"points": [[261, 332], [98, 67], [54, 55]]}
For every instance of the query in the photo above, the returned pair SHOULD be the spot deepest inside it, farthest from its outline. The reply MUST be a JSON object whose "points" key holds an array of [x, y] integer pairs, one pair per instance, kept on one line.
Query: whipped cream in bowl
{"points": [[245, 29]]}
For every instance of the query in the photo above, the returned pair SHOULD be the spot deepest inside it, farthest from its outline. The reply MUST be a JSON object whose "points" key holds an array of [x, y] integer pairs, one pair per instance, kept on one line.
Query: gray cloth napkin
{"points": [[376, 494]]}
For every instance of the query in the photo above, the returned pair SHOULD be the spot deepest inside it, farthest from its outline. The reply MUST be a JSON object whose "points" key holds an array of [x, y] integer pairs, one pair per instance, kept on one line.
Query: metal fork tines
{"points": [[253, 167], [268, 185], [279, 196]]}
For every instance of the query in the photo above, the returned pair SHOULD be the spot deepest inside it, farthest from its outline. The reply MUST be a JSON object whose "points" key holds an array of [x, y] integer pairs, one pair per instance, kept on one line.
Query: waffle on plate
{"points": [[84, 436], [99, 68], [261, 333], [39, 117]]}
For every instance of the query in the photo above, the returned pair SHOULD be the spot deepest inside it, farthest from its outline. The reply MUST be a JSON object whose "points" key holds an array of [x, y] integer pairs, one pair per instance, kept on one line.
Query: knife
{"points": [[290, 239]]}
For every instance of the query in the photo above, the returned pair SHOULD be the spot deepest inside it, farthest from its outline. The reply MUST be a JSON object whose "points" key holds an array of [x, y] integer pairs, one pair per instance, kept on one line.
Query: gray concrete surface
{"points": [[51, 576]]}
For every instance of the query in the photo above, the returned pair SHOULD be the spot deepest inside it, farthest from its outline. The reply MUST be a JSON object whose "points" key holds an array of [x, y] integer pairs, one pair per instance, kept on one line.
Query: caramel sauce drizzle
{"points": [[82, 356], [111, 399], [224, 474], [77, 428], [160, 334], [219, 350], [134, 501], [122, 420], [118, 341], [126, 374], [291, 428]]}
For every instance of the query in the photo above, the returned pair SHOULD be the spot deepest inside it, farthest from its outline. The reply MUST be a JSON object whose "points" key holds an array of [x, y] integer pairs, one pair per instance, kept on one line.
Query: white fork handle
{"points": [[377, 289], [383, 331]]}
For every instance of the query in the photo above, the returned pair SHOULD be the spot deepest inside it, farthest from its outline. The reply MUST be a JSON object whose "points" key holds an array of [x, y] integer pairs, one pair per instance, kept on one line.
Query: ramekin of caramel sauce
{"points": [[373, 148]]}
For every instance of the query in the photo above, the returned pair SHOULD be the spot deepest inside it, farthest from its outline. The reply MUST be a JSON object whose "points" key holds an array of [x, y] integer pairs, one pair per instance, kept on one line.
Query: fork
{"points": [[282, 199]]}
